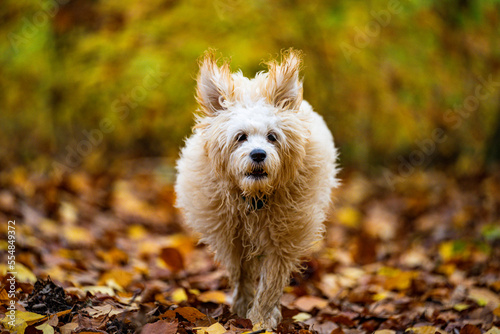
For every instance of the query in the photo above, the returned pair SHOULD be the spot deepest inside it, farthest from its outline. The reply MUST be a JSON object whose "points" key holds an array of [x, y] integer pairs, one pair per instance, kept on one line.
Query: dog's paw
{"points": [[268, 322], [240, 306]]}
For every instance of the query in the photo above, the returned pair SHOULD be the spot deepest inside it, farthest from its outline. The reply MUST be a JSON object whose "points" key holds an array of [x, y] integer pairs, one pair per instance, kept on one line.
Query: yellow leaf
{"points": [[46, 328], [302, 316], [447, 269], [14, 324], [425, 330], [20, 320], [121, 277], [460, 307], [179, 295], [216, 328], [137, 232], [348, 216], [23, 274], [382, 295], [399, 280], [256, 327], [217, 297], [77, 235], [493, 330]]}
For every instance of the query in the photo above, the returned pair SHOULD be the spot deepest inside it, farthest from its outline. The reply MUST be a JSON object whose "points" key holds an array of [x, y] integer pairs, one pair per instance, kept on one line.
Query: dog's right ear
{"points": [[215, 84]]}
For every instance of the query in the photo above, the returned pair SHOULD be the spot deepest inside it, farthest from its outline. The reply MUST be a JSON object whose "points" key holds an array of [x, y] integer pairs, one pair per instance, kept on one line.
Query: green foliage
{"points": [[382, 73]]}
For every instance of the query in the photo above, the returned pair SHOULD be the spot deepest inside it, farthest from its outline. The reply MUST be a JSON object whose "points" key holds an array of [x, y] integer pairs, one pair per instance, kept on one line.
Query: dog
{"points": [[255, 178]]}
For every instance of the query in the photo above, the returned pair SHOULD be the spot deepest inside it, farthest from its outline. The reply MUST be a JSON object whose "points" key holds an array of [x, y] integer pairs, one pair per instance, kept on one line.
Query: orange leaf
{"points": [[172, 258]]}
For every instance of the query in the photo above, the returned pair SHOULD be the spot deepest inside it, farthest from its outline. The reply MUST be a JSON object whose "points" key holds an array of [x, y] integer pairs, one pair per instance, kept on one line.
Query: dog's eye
{"points": [[271, 137], [241, 137]]}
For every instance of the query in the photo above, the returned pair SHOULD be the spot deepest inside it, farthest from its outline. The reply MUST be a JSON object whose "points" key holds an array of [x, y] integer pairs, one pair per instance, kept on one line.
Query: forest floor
{"points": [[423, 257]]}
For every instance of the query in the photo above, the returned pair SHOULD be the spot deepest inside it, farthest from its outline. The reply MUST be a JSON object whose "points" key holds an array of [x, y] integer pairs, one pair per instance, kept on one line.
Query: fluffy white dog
{"points": [[255, 179]]}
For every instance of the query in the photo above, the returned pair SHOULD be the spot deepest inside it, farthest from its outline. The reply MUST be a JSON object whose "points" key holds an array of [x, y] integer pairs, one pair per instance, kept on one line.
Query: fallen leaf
{"points": [[104, 310], [30, 317], [470, 329], [308, 303], [348, 216], [179, 295], [105, 290], [23, 274], [493, 330], [190, 313], [78, 235], [54, 320], [46, 328], [172, 258], [121, 277], [461, 307], [21, 321], [160, 327], [68, 328], [302, 316], [425, 330], [217, 297], [216, 328], [497, 311], [484, 296]]}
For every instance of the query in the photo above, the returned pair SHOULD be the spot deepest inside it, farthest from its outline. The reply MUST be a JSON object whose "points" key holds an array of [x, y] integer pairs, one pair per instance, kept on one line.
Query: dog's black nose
{"points": [[258, 155]]}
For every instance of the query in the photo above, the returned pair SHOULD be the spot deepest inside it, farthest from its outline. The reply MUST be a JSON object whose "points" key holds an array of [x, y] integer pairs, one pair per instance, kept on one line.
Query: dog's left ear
{"points": [[215, 84], [284, 88]]}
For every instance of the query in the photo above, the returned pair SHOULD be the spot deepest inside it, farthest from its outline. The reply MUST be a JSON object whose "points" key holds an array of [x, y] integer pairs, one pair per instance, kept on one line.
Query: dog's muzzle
{"points": [[257, 173]]}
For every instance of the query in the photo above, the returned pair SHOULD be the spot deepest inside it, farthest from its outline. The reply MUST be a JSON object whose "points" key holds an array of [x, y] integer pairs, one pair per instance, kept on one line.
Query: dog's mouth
{"points": [[257, 173]]}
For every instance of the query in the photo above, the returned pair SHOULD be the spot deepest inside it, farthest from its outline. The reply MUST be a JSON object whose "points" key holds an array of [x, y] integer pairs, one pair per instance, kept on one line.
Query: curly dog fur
{"points": [[255, 178]]}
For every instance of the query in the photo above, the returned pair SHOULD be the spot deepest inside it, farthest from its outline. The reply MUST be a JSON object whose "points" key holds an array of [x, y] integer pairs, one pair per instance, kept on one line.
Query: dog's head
{"points": [[254, 131]]}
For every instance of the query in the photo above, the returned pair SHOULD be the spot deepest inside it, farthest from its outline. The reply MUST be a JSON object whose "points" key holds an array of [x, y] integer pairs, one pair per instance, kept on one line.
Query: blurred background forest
{"points": [[90, 84]]}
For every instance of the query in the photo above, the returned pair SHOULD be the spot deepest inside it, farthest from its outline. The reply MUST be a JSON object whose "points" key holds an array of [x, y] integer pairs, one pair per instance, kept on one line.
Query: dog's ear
{"points": [[215, 85], [284, 88]]}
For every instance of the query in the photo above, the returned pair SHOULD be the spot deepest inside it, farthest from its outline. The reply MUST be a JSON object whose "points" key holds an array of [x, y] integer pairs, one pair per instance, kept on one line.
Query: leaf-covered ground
{"points": [[423, 257]]}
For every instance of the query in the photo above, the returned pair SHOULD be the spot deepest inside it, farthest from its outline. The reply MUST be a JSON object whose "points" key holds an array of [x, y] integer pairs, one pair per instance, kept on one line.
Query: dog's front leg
{"points": [[274, 276], [243, 288], [242, 277]]}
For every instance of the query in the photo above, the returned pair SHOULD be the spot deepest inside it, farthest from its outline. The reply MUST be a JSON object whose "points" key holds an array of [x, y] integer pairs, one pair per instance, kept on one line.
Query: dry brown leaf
{"points": [[189, 313], [470, 329], [309, 303], [160, 327], [484, 296], [68, 328]]}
